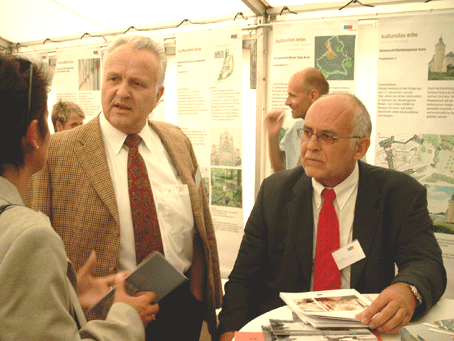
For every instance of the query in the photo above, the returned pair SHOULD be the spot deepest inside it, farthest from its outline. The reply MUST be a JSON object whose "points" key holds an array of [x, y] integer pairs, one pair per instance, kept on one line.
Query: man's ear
{"points": [[32, 135], [361, 148], [314, 95], [159, 94], [58, 126]]}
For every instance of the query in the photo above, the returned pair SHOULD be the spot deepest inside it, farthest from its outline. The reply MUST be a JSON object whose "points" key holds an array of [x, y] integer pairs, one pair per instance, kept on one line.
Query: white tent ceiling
{"points": [[32, 20], [28, 20]]}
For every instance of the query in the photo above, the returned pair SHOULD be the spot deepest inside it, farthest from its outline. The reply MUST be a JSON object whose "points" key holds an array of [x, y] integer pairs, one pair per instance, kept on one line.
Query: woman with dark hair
{"points": [[39, 296]]}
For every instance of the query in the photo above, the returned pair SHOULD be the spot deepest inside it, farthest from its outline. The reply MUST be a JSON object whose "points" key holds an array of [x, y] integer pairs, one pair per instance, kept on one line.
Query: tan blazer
{"points": [[76, 192]]}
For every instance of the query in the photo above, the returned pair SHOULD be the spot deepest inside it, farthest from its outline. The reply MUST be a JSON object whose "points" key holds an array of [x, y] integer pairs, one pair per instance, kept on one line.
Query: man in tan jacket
{"points": [[84, 189]]}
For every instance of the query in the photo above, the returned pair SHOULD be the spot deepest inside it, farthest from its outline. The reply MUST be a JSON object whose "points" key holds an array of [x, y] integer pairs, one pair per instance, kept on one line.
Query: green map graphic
{"points": [[335, 56]]}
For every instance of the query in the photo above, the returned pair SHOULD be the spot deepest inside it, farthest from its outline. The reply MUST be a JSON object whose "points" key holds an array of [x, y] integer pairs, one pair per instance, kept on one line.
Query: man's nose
{"points": [[123, 89], [313, 143]]}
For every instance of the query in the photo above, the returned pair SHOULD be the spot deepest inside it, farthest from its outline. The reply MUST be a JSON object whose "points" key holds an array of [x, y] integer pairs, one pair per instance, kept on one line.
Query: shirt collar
{"points": [[343, 191], [116, 138]]}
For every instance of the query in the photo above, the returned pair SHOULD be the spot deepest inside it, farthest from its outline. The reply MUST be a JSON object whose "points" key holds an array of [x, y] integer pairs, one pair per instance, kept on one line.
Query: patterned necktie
{"points": [[326, 272], [147, 234]]}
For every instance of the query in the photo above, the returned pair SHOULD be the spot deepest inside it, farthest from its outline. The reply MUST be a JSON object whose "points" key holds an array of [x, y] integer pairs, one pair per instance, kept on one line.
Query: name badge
{"points": [[348, 254]]}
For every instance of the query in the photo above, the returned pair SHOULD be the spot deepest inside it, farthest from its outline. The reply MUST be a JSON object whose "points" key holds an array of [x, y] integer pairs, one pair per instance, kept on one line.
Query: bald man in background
{"points": [[304, 88]]}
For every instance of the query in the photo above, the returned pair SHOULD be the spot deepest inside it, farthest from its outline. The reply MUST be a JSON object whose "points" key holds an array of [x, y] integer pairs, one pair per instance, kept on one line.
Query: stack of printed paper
{"points": [[297, 330], [328, 309]]}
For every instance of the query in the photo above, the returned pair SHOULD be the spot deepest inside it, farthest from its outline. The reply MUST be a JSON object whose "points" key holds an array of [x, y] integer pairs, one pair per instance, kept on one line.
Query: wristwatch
{"points": [[416, 294]]}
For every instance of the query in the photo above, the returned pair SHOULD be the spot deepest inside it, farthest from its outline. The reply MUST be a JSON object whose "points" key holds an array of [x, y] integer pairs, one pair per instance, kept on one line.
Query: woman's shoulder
{"points": [[22, 224]]}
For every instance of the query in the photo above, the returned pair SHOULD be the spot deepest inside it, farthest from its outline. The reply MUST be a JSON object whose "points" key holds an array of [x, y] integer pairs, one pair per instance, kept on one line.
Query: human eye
{"points": [[137, 82], [112, 78], [326, 138], [306, 133]]}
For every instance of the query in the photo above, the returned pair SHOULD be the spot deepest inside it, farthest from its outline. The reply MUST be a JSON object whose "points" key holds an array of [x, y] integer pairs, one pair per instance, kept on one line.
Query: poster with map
{"points": [[329, 48], [415, 114], [335, 56]]}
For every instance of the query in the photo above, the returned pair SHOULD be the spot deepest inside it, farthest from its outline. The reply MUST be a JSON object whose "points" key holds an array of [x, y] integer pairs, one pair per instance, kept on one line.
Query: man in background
{"points": [[66, 115], [304, 88], [384, 210], [88, 191]]}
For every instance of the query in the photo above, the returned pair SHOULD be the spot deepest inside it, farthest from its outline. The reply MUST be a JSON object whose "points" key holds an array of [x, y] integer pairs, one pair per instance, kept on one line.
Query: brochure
{"points": [[446, 325], [328, 309], [437, 331]]}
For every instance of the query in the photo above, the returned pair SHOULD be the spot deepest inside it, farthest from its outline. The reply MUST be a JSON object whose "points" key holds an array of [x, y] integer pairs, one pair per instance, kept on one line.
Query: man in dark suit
{"points": [[385, 210]]}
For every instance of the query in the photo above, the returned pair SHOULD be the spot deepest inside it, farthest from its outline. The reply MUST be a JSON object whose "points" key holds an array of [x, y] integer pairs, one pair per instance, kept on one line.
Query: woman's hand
{"points": [[91, 289]]}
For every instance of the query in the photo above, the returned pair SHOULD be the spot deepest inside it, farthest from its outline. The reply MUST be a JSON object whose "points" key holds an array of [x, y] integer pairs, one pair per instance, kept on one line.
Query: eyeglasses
{"points": [[323, 138]]}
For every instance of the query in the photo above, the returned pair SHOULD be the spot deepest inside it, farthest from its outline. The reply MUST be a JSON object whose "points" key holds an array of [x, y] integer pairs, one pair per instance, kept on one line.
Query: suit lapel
{"points": [[365, 223], [92, 156], [301, 224]]}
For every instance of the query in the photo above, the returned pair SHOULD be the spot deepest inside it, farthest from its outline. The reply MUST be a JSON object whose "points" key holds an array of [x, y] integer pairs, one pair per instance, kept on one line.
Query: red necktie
{"points": [[146, 227], [326, 272]]}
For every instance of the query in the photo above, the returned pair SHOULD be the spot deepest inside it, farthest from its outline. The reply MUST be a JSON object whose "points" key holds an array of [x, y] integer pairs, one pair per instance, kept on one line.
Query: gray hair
{"points": [[362, 124], [141, 42]]}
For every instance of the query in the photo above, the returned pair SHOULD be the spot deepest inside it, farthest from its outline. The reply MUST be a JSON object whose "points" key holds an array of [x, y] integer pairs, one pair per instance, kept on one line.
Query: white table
{"points": [[444, 309]]}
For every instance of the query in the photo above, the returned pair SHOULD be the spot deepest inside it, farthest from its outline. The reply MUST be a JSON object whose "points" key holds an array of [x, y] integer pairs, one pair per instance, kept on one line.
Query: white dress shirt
{"points": [[171, 196], [344, 204]]}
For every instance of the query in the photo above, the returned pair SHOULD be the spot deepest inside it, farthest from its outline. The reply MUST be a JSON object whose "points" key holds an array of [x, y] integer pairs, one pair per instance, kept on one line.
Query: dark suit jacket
{"points": [[391, 223], [76, 192]]}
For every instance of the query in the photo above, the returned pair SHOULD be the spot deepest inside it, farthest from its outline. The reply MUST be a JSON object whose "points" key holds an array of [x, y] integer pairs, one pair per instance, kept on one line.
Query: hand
{"points": [[274, 121], [391, 310], [227, 336], [91, 289], [142, 302]]}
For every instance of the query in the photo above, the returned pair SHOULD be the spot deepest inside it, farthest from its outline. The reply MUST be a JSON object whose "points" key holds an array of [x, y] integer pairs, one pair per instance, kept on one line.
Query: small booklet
{"points": [[327, 309], [423, 332], [154, 274], [446, 325], [441, 330]]}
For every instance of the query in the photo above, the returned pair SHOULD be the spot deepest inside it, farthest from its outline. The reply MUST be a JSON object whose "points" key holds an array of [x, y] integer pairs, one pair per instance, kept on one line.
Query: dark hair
{"points": [[23, 99]]}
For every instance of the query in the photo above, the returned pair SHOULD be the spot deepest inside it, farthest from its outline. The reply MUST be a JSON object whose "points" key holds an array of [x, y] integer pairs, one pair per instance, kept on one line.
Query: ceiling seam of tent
{"points": [[258, 22]]}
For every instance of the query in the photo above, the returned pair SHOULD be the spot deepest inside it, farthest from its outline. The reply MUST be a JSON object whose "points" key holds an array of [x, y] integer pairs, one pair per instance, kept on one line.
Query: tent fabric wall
{"points": [[366, 62]]}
